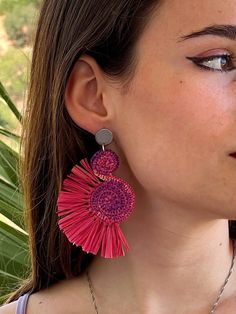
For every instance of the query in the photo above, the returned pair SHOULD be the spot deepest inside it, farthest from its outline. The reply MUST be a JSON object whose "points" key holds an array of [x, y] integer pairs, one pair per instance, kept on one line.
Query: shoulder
{"points": [[67, 296], [8, 308]]}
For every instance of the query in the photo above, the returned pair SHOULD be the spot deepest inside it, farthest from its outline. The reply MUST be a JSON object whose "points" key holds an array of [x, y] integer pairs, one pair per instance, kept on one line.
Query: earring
{"points": [[92, 203]]}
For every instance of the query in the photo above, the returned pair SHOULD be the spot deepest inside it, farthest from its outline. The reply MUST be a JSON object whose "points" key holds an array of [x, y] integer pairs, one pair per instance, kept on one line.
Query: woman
{"points": [[160, 75]]}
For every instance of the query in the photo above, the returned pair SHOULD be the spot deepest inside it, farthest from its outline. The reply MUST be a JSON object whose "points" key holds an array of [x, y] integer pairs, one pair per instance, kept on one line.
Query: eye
{"points": [[222, 63]]}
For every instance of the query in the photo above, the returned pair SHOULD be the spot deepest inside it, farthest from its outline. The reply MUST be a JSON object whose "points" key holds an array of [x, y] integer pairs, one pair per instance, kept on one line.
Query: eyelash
{"points": [[198, 60]]}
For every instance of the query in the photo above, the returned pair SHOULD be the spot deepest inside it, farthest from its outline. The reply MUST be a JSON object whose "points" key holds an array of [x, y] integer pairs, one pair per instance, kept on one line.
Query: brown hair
{"points": [[51, 143]]}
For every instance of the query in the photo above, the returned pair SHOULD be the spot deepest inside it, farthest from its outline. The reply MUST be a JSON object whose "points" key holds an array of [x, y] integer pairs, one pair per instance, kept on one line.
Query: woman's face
{"points": [[177, 123]]}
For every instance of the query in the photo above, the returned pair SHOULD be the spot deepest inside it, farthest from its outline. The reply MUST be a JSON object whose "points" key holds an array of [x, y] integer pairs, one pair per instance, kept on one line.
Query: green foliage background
{"points": [[18, 18], [7, 6]]}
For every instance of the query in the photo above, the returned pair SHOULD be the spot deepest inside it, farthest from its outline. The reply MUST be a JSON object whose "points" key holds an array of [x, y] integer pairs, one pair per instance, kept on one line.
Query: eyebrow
{"points": [[227, 31]]}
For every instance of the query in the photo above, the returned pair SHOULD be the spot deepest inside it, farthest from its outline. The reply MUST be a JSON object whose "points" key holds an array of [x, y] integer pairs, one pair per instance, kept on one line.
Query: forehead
{"points": [[179, 17]]}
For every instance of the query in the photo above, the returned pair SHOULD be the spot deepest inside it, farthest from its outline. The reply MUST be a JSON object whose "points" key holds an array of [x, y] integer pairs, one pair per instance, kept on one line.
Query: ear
{"points": [[84, 95]]}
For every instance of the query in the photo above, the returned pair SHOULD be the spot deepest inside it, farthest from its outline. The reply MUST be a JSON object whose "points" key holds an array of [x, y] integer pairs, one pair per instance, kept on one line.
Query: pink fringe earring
{"points": [[92, 203]]}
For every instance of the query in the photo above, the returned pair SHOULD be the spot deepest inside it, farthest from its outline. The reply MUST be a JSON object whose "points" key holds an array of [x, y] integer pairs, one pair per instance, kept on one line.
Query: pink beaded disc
{"points": [[113, 200], [104, 162]]}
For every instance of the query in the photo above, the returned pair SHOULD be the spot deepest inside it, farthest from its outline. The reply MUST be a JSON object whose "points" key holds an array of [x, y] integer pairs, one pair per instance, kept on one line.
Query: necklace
{"points": [[214, 305]]}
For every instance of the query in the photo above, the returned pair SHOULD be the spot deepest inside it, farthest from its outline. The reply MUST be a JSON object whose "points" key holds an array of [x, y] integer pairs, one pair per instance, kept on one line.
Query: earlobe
{"points": [[83, 95]]}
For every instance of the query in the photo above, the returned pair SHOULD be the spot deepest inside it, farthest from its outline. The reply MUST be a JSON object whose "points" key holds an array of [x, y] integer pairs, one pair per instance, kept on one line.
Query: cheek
{"points": [[174, 140]]}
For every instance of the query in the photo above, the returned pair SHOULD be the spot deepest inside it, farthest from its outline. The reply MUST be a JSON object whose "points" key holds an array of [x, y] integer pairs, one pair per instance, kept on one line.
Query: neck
{"points": [[177, 263]]}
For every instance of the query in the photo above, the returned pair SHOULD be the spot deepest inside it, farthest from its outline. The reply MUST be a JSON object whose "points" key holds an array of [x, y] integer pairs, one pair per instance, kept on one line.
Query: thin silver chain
{"points": [[226, 280], [91, 291], [214, 305]]}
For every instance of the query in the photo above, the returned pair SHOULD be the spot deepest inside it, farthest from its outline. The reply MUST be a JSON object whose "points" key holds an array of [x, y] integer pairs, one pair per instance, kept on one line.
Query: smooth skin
{"points": [[173, 131]]}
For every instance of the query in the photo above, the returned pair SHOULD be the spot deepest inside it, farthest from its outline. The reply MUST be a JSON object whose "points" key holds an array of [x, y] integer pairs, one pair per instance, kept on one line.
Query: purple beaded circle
{"points": [[104, 162], [113, 200]]}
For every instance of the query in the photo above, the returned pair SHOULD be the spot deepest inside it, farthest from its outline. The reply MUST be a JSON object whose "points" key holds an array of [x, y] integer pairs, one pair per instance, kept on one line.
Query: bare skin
{"points": [[173, 132]]}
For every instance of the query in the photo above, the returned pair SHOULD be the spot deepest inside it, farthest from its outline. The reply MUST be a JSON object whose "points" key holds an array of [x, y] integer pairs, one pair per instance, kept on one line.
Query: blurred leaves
{"points": [[19, 24], [8, 5], [14, 254]]}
